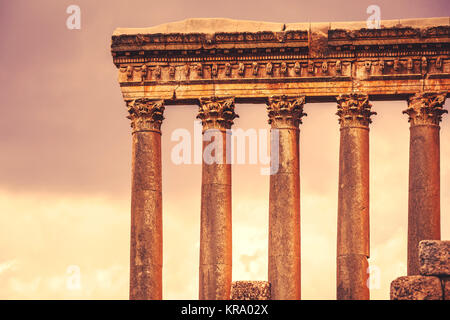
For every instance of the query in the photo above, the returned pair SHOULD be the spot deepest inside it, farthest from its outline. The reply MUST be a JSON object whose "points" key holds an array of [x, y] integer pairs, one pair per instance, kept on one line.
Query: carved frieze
{"points": [[338, 66], [294, 68], [144, 72], [187, 70], [324, 67], [388, 33], [217, 38], [228, 69], [199, 69], [439, 63], [269, 68], [255, 68], [214, 70], [382, 65], [283, 68], [158, 71], [171, 71], [297, 67], [129, 72], [311, 66], [241, 69], [397, 65], [410, 64], [270, 61], [424, 64]]}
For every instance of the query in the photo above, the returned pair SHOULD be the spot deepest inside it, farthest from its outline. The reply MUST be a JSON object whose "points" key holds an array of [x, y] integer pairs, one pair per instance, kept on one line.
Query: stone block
{"points": [[434, 258], [250, 290], [416, 288]]}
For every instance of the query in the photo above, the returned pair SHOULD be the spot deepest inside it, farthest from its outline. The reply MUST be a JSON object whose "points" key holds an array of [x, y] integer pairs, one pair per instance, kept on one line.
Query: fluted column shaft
{"points": [[425, 111], [217, 115], [284, 268], [146, 200], [353, 198]]}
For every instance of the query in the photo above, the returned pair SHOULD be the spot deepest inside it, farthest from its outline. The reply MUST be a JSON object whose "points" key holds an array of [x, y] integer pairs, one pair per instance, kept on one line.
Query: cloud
{"points": [[105, 283], [66, 157], [7, 265], [49, 232]]}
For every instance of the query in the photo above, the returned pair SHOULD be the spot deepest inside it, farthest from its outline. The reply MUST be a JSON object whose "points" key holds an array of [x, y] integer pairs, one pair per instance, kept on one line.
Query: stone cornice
{"points": [[426, 108], [338, 39], [318, 60], [284, 42], [392, 35], [193, 40]]}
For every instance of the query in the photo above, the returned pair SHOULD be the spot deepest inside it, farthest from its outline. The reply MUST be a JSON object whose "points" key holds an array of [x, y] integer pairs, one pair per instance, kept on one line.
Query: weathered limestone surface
{"points": [[250, 290], [285, 115], [446, 287], [218, 62], [434, 281], [425, 111], [146, 200], [215, 272], [434, 258], [352, 277], [204, 25], [416, 288], [217, 25], [354, 111], [254, 60]]}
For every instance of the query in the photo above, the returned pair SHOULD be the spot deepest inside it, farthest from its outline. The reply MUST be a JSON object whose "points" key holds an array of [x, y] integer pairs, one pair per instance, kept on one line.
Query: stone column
{"points": [[146, 200], [285, 114], [425, 112], [217, 115], [354, 113]]}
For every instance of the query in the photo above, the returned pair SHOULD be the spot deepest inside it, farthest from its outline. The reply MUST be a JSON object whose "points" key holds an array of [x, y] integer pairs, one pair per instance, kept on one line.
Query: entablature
{"points": [[319, 60]]}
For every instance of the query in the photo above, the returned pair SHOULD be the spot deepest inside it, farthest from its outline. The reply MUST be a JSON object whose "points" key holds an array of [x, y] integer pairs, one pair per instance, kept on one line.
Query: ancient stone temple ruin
{"points": [[433, 280], [217, 63]]}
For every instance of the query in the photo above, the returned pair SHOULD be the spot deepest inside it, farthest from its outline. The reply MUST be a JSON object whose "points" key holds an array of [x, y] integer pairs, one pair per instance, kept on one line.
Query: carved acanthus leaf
{"points": [[354, 109], [145, 114], [285, 111], [216, 112], [426, 108]]}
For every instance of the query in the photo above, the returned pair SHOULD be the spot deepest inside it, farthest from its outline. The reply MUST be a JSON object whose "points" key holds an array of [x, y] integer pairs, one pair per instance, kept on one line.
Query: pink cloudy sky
{"points": [[65, 151]]}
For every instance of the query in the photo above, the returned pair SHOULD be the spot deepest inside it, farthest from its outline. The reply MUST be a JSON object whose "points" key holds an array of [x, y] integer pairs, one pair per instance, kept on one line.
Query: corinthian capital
{"points": [[426, 108], [216, 112], [354, 110], [145, 114], [285, 111]]}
